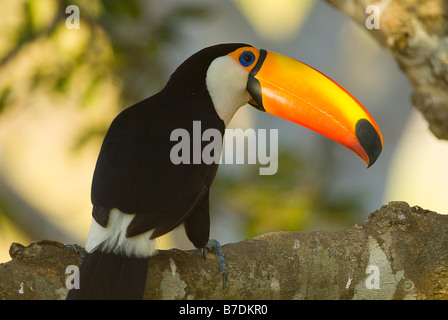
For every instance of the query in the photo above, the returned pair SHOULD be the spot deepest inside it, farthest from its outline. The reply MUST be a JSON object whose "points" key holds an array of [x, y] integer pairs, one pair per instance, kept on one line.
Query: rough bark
{"points": [[415, 32], [398, 253]]}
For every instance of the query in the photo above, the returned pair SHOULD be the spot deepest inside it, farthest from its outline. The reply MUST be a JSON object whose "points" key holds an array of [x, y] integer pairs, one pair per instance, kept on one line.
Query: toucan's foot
{"points": [[78, 249], [215, 247]]}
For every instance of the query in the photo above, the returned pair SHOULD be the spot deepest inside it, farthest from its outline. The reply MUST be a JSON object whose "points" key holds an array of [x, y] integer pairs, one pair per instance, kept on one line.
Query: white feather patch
{"points": [[226, 83], [113, 238]]}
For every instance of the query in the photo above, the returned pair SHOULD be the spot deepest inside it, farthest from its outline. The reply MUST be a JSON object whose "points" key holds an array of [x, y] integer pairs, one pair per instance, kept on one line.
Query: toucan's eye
{"points": [[247, 58]]}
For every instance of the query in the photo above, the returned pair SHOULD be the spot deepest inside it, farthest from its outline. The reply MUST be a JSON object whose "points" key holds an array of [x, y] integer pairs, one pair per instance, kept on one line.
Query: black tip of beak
{"points": [[369, 139]]}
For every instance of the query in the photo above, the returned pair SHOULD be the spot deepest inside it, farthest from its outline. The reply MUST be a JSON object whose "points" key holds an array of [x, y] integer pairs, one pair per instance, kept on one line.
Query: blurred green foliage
{"points": [[296, 198], [122, 39], [135, 32]]}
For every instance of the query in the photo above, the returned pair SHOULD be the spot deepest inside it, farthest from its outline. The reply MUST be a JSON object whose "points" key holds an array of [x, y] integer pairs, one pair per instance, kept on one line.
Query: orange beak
{"points": [[296, 92]]}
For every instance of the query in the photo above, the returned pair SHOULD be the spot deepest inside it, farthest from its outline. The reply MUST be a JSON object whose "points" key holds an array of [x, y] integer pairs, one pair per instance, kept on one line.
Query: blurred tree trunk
{"points": [[415, 32], [31, 220], [398, 253]]}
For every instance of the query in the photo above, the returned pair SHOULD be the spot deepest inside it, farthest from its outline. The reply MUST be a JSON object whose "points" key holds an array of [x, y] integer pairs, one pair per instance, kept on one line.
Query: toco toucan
{"points": [[139, 194]]}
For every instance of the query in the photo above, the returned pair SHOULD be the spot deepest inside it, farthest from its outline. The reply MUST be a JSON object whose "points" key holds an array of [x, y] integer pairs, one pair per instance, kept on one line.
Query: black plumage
{"points": [[109, 276], [134, 172]]}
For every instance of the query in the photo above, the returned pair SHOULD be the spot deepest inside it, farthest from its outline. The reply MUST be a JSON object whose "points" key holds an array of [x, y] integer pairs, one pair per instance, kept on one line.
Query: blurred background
{"points": [[60, 88]]}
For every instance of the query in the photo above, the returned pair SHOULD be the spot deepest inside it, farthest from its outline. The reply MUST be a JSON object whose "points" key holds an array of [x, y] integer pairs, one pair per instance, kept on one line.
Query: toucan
{"points": [[139, 194]]}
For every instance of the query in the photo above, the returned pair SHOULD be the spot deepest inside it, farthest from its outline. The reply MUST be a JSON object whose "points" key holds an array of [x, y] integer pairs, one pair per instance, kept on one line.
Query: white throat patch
{"points": [[226, 83]]}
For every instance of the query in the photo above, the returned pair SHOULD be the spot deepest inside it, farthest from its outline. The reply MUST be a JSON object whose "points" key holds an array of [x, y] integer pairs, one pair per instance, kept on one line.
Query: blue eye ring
{"points": [[247, 58]]}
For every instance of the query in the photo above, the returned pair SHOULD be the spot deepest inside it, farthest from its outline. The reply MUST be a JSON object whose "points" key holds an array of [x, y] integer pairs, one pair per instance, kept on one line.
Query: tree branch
{"points": [[398, 253], [415, 32]]}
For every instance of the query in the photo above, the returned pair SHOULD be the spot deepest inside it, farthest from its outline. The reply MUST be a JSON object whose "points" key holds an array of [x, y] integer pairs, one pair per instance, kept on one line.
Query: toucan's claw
{"points": [[78, 249], [215, 247]]}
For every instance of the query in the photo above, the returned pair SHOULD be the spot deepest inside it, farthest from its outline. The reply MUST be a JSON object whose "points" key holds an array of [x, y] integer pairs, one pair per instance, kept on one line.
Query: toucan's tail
{"points": [[110, 276]]}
